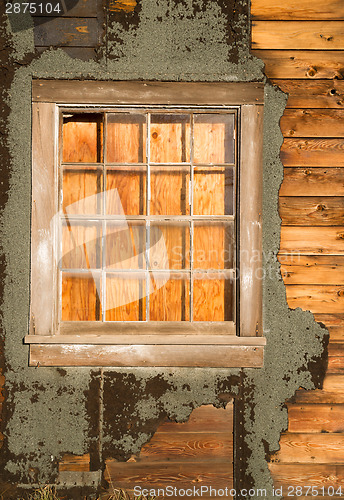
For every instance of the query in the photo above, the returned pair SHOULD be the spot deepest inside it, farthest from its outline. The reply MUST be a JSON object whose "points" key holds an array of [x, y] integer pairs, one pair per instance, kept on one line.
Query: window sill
{"points": [[172, 350]]}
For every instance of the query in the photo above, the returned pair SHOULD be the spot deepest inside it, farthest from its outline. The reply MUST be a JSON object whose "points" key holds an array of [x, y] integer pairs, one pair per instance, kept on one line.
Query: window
{"points": [[146, 231]]}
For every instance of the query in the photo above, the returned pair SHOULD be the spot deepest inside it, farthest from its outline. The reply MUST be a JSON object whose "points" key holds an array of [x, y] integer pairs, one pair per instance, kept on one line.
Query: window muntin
{"points": [[147, 226]]}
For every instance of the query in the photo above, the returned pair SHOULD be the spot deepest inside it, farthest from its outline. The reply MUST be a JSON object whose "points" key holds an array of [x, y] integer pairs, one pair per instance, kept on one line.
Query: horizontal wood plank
{"points": [[312, 269], [182, 475], [73, 32], [315, 418], [312, 240], [311, 448], [74, 462], [312, 123], [95, 92], [317, 299], [312, 152], [311, 211], [336, 333], [308, 64], [330, 320], [146, 340], [332, 392], [188, 447], [206, 418], [300, 35], [317, 475], [297, 9], [299, 181], [146, 355], [313, 94]]}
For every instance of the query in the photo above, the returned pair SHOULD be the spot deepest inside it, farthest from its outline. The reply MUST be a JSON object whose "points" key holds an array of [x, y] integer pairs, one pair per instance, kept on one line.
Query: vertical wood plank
{"points": [[251, 177], [44, 207]]}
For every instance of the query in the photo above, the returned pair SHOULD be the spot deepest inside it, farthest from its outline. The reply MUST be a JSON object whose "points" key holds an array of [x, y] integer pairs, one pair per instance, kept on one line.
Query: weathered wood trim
{"points": [[146, 93], [251, 177], [297, 9], [223, 356], [146, 340], [44, 207]]}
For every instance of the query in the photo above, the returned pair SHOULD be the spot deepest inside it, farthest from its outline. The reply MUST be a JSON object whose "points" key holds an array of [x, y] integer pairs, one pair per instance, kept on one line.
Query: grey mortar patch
{"points": [[48, 411]]}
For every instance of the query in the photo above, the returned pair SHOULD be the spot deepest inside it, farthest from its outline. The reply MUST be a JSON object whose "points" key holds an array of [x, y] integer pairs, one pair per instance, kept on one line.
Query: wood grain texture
{"points": [[309, 64], [311, 181], [330, 320], [324, 448], [93, 92], [312, 123], [312, 152], [311, 211], [314, 418], [203, 420], [297, 9], [299, 35], [312, 269], [70, 462], [332, 392], [313, 94], [319, 299], [72, 32], [312, 240], [146, 355], [317, 475]]}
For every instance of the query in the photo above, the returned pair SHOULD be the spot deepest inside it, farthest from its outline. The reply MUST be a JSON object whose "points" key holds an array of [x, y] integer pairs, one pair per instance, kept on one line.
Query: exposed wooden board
{"points": [[330, 319], [44, 207], [181, 475], [153, 327], [312, 123], [122, 5], [336, 333], [317, 475], [318, 299], [299, 181], [311, 211], [251, 175], [297, 9], [300, 35], [70, 8], [206, 418], [325, 448], [188, 447], [313, 94], [145, 339], [302, 64], [95, 92], [70, 462], [331, 393], [83, 53], [315, 418], [146, 355], [73, 32], [312, 269], [312, 152], [312, 240]]}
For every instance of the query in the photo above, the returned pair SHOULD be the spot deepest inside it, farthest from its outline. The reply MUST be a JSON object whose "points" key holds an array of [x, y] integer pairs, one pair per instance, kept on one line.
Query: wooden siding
{"points": [[301, 43]]}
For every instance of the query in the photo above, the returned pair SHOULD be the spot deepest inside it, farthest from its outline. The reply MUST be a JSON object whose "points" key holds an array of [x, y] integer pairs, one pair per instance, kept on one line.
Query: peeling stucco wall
{"points": [[51, 411]]}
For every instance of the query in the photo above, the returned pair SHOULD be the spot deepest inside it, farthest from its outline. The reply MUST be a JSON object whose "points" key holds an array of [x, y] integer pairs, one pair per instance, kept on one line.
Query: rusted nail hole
{"points": [[320, 208], [340, 293], [333, 91], [311, 72], [155, 135], [308, 172]]}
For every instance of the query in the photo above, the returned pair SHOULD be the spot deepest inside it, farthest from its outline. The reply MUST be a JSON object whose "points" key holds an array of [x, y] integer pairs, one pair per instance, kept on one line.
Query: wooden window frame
{"points": [[144, 344]]}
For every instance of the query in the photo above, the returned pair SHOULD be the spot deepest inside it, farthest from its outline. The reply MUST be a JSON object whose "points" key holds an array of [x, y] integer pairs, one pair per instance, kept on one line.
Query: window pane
{"points": [[82, 191], [81, 297], [170, 190], [169, 245], [169, 298], [126, 190], [213, 192], [213, 297], [213, 245], [82, 138], [170, 138], [125, 245], [126, 138], [81, 245], [125, 297], [214, 138]]}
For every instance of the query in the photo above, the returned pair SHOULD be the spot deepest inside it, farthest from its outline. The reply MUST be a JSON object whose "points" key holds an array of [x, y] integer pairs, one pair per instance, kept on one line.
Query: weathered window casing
{"points": [[56, 343]]}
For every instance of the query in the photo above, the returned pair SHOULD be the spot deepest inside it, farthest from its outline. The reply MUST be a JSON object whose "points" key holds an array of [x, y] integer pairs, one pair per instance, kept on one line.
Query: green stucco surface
{"points": [[50, 411]]}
